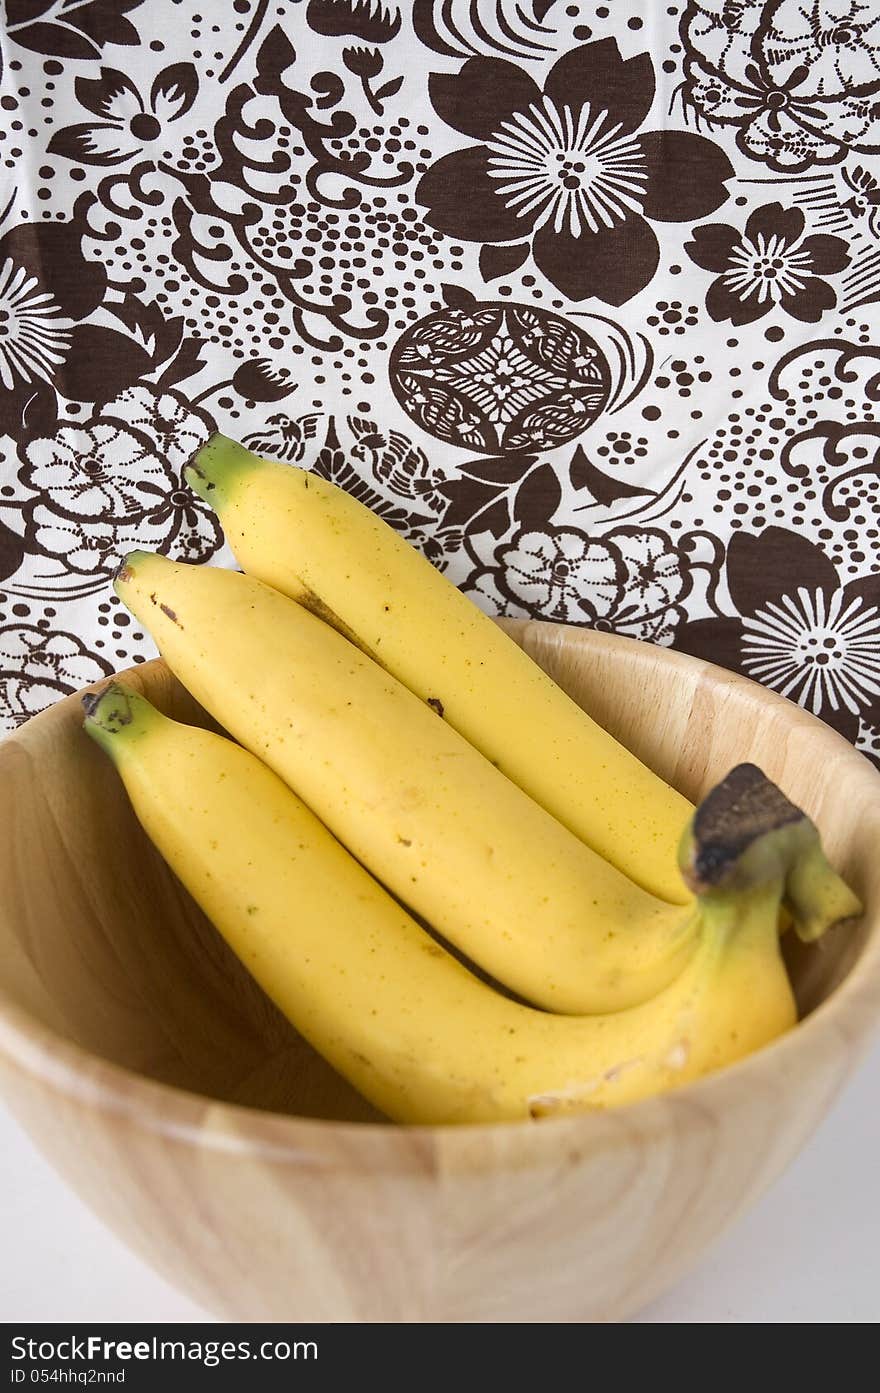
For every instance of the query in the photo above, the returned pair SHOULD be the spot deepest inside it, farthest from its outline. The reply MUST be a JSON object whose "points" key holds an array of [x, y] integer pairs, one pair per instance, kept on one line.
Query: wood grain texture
{"points": [[182, 1107]]}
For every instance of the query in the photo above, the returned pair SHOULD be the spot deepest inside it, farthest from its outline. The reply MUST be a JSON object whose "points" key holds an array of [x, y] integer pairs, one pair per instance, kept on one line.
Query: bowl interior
{"points": [[99, 943]]}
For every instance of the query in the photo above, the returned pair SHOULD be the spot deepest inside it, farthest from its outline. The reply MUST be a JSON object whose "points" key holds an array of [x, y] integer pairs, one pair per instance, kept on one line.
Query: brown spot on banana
{"points": [[321, 610]]}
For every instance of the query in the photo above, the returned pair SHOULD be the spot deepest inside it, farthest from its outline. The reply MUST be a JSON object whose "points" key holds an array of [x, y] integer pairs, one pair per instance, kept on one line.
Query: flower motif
{"points": [[38, 666], [89, 547], [562, 575], [256, 379], [569, 168], [173, 425], [101, 490], [772, 264], [653, 579], [176, 524], [47, 289], [484, 590], [367, 63], [98, 471], [797, 629], [629, 581], [34, 335], [179, 525], [363, 62], [815, 648], [376, 23], [127, 123], [60, 29], [799, 82]]}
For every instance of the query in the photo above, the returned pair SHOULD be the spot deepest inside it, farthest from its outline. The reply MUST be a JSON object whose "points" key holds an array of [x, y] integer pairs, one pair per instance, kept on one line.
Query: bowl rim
{"points": [[185, 1116]]}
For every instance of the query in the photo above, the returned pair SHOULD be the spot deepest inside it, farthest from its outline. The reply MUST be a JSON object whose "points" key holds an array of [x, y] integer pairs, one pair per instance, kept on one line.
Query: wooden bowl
{"points": [[178, 1103]]}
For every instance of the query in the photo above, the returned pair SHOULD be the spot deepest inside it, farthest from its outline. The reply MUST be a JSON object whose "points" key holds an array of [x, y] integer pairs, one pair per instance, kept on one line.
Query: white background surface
{"points": [[809, 1251]]}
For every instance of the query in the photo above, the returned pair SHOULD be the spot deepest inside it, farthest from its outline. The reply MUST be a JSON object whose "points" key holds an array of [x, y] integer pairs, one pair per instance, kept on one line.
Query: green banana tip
{"points": [[108, 710], [90, 703], [127, 567], [113, 711], [197, 470], [214, 468], [198, 480], [131, 566]]}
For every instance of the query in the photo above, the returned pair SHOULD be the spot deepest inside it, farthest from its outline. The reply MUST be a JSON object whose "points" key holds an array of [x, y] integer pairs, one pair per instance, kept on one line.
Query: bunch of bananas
{"points": [[457, 886]]}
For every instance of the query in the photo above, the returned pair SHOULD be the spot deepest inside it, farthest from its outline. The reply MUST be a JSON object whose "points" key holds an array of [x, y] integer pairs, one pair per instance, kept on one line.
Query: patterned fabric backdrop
{"points": [[582, 298]]}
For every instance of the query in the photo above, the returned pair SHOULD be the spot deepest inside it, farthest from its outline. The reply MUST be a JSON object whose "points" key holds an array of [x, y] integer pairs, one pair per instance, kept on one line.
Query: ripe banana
{"points": [[430, 816], [318, 545], [391, 1010]]}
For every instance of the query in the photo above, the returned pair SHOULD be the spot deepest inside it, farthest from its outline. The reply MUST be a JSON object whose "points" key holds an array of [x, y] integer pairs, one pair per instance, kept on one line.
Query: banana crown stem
{"points": [[746, 833]]}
